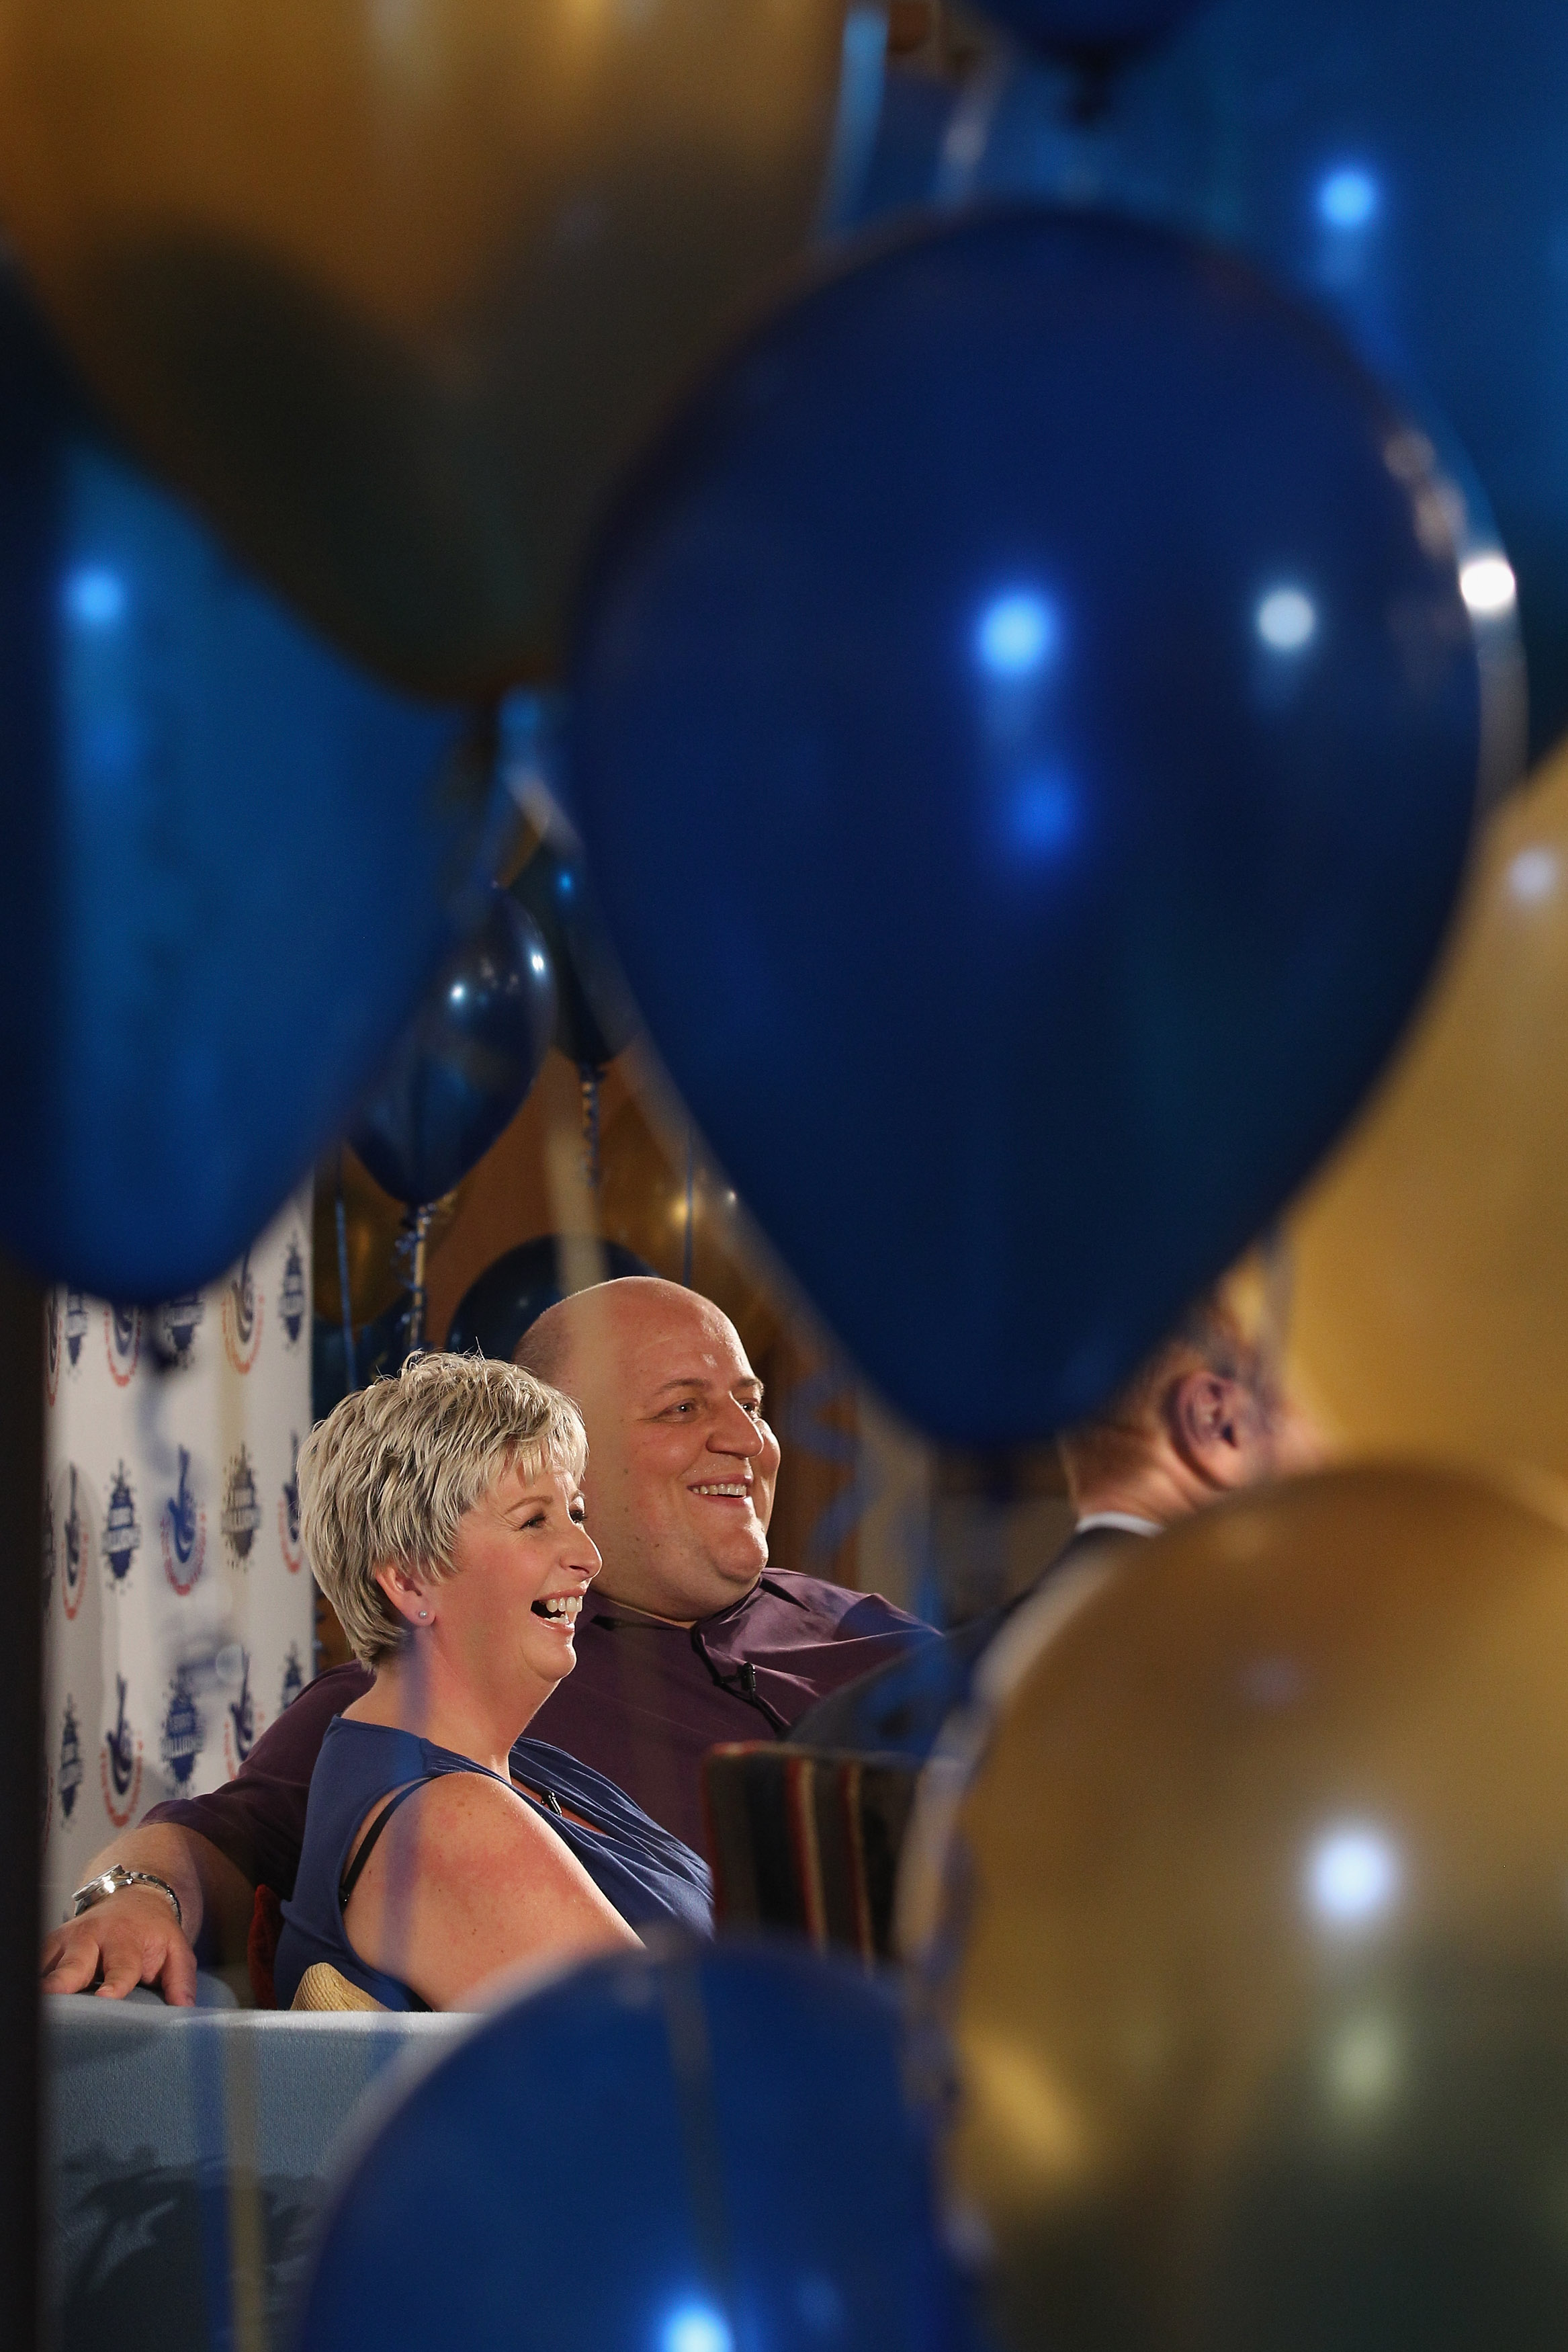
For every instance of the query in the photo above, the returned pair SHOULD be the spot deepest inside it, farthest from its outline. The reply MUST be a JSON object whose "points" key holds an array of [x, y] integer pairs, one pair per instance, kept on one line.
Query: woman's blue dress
{"points": [[650, 1876]]}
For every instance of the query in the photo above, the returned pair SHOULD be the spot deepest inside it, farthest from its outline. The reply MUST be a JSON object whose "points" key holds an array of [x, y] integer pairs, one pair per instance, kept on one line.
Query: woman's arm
{"points": [[467, 1882]]}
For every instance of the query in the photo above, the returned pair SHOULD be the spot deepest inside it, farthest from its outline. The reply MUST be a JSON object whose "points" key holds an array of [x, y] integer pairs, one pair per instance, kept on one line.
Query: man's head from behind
{"points": [[681, 1464], [1203, 1413]]}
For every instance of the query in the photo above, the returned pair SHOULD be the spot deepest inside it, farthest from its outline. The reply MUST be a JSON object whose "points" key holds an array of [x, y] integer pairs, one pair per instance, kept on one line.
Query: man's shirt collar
{"points": [[1125, 1523]]}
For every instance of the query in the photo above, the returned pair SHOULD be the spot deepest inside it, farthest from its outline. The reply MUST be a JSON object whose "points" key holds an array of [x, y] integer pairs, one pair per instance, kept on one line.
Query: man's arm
{"points": [[133, 1939], [214, 1852]]}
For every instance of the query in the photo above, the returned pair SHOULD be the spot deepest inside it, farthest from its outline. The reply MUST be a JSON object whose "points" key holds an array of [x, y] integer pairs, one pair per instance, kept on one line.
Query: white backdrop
{"points": [[178, 1615]]}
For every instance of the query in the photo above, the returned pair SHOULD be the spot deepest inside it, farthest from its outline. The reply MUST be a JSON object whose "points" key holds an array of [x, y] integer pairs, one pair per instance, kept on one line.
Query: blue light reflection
{"points": [[1016, 634], [94, 597], [1348, 197], [1043, 814], [696, 2327], [1287, 620]]}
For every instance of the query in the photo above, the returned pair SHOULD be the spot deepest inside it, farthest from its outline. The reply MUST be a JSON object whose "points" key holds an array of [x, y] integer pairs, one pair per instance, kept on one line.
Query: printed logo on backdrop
{"points": [[77, 1555], [293, 1305], [179, 1320], [121, 1534], [53, 1344], [123, 1338], [243, 1722], [68, 1778], [242, 1316], [242, 1509], [120, 1765], [48, 1546], [183, 1735], [293, 1678], [183, 1530], [76, 1327], [288, 1512]]}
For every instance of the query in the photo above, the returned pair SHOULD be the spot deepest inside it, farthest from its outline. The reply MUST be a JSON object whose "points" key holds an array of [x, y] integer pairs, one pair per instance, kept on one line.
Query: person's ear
{"points": [[1212, 1424], [409, 1595]]}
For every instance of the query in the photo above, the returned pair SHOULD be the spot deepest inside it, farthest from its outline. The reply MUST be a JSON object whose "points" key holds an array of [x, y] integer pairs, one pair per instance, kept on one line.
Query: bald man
{"points": [[687, 1638]]}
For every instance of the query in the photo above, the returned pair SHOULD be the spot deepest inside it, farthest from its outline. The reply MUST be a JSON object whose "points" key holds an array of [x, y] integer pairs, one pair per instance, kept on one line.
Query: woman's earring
{"points": [[424, 1613]]}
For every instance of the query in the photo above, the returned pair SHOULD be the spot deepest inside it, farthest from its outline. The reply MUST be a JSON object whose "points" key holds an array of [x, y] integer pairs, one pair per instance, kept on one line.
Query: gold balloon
{"points": [[395, 286], [1430, 1263], [642, 1205], [1249, 1917]]}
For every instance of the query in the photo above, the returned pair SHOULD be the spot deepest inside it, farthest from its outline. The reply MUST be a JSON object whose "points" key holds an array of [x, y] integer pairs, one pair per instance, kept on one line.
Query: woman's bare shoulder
{"points": [[471, 1816]]}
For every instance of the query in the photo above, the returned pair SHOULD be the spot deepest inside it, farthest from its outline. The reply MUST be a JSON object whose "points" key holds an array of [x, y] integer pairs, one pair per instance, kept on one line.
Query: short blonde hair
{"points": [[386, 1477]]}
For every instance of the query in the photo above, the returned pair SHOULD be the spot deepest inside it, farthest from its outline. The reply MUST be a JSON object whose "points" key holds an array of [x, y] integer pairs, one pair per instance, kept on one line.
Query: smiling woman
{"points": [[442, 1515]]}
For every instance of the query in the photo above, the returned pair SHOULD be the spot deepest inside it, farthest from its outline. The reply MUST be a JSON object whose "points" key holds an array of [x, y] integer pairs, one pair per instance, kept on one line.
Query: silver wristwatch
{"points": [[111, 1881]]}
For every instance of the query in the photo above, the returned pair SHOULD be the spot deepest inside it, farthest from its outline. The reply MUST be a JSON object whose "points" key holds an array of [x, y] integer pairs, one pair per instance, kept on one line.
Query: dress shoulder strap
{"points": [[351, 1877]]}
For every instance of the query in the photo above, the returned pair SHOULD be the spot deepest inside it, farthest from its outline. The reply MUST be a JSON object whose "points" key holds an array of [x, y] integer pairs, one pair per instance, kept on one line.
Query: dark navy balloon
{"points": [[230, 864], [1025, 733], [498, 1306], [595, 1018], [733, 2128], [1400, 162], [381, 1347], [461, 1067], [1099, 29]]}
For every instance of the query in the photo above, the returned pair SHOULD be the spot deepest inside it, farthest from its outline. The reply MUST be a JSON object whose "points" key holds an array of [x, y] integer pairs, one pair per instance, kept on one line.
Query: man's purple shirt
{"points": [[643, 1706]]}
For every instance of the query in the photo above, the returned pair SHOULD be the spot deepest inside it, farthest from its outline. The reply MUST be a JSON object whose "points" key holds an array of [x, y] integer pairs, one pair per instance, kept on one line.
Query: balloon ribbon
{"points": [[350, 1369], [588, 1078], [415, 1241]]}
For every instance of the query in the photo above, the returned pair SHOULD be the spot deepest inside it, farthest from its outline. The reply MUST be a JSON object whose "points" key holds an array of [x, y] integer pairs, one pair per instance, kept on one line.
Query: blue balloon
{"points": [[1097, 31], [531, 725], [461, 1069], [1400, 163], [498, 1307], [732, 2129], [905, 170], [1025, 731], [230, 864], [381, 1347], [595, 1017]]}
